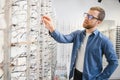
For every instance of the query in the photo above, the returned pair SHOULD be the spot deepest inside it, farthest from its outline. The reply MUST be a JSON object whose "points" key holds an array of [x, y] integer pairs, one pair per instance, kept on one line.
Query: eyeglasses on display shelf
{"points": [[31, 47]]}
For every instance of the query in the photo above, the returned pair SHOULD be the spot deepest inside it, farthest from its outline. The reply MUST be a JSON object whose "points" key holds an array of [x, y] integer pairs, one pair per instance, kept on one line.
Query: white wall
{"points": [[72, 10]]}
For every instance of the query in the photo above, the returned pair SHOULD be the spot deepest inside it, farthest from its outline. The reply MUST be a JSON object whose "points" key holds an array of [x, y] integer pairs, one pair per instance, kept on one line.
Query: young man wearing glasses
{"points": [[89, 46]]}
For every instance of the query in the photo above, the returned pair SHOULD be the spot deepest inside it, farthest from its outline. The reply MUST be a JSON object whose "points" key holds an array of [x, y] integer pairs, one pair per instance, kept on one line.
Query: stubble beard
{"points": [[86, 26]]}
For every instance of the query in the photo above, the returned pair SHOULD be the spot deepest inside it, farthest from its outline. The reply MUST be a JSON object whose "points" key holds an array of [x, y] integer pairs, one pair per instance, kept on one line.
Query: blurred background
{"points": [[27, 52]]}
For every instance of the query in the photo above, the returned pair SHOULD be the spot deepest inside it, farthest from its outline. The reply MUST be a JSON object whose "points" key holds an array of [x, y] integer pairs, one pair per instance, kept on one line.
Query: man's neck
{"points": [[90, 30]]}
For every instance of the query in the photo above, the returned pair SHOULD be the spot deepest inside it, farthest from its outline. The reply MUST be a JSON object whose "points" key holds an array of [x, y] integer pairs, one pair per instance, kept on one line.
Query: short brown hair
{"points": [[101, 15]]}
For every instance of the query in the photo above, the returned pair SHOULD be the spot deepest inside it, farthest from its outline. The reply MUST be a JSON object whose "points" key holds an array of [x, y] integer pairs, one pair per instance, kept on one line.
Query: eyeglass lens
{"points": [[89, 16]]}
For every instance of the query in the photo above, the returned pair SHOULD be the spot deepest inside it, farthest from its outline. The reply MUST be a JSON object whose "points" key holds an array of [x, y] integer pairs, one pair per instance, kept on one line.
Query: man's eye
{"points": [[90, 16]]}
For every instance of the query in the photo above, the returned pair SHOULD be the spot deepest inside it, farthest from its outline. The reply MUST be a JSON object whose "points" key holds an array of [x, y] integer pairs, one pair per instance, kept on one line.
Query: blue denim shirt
{"points": [[97, 46]]}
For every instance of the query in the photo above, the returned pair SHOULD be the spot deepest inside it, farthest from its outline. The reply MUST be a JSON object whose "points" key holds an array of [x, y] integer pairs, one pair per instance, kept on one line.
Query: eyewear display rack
{"points": [[30, 51], [118, 41], [2, 55]]}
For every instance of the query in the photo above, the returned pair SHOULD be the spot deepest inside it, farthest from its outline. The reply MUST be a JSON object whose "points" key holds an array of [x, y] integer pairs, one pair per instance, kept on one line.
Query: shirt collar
{"points": [[95, 32]]}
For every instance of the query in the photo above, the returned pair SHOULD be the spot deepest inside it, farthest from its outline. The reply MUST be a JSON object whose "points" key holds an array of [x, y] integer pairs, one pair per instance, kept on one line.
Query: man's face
{"points": [[91, 19]]}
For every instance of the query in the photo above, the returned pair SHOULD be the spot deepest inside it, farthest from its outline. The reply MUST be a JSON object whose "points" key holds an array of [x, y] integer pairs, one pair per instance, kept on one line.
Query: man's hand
{"points": [[48, 23]]}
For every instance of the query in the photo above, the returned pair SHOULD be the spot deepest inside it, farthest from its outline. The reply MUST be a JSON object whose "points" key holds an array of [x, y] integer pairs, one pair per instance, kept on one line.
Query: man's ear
{"points": [[99, 22]]}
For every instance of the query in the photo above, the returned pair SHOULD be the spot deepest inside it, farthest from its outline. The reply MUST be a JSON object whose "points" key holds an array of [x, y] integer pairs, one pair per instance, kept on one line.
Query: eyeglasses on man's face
{"points": [[90, 17]]}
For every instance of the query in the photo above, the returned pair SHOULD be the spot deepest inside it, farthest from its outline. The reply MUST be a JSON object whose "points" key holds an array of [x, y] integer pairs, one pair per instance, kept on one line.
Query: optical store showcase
{"points": [[27, 48]]}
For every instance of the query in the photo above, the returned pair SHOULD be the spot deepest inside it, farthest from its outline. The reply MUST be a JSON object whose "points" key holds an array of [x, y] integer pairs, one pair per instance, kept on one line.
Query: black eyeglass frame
{"points": [[90, 17]]}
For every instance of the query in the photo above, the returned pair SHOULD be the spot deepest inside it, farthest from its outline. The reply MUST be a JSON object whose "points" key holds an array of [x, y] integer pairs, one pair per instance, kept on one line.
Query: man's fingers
{"points": [[45, 21], [48, 23], [47, 18]]}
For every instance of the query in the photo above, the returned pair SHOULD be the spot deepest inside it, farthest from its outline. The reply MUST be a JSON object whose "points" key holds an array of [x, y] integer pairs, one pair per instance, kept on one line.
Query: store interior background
{"points": [[53, 60], [69, 14]]}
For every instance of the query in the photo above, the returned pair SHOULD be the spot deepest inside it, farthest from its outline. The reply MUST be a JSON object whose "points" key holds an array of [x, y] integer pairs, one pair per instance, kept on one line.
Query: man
{"points": [[89, 46]]}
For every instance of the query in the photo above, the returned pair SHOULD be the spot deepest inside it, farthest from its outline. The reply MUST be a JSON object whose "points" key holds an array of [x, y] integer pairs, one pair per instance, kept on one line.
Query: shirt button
{"points": [[75, 56], [72, 63]]}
